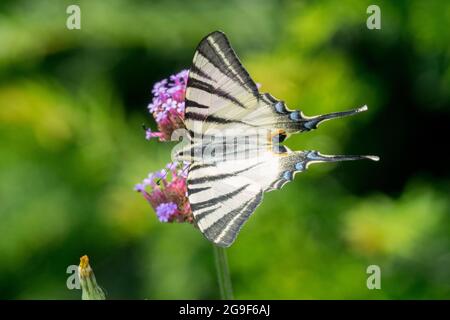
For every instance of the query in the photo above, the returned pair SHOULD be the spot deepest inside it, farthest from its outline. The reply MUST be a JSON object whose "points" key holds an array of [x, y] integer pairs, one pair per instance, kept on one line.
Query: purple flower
{"points": [[172, 166], [167, 106], [165, 211], [160, 174], [150, 134], [152, 107], [159, 87], [166, 191]]}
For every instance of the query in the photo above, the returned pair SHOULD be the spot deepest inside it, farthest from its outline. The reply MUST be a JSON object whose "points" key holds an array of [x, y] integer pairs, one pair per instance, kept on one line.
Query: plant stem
{"points": [[223, 273]]}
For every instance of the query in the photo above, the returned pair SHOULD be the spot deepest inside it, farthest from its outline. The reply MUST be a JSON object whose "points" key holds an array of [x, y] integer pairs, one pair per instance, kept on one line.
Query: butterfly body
{"points": [[233, 141]]}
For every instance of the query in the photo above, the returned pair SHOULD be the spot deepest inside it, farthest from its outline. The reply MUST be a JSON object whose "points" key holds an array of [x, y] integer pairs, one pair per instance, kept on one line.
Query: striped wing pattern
{"points": [[222, 198], [221, 97], [220, 94], [224, 194], [219, 90]]}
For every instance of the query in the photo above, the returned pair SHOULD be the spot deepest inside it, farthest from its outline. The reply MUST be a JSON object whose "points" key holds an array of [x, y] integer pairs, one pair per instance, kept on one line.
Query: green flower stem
{"points": [[223, 273]]}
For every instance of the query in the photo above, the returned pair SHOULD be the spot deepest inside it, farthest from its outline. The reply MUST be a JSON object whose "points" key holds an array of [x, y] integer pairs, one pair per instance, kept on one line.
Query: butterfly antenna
{"points": [[158, 182], [166, 172], [310, 123]]}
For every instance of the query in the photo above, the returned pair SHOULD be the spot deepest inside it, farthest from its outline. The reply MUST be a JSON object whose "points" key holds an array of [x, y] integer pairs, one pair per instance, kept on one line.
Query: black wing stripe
{"points": [[207, 118], [200, 216], [242, 75], [213, 201], [194, 104], [269, 98], [242, 213], [193, 191], [209, 53], [194, 83], [213, 231], [201, 166], [220, 176], [200, 72], [194, 134]]}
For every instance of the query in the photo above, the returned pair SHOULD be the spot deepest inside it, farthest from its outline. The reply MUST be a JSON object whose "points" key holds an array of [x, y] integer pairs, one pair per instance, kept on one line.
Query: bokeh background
{"points": [[72, 148]]}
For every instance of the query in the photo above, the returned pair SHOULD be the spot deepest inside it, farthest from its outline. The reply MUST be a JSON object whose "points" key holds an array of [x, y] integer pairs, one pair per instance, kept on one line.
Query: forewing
{"points": [[221, 94], [219, 90]]}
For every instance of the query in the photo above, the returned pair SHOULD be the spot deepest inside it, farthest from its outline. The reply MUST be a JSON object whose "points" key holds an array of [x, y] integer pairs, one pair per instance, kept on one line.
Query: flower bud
{"points": [[89, 286]]}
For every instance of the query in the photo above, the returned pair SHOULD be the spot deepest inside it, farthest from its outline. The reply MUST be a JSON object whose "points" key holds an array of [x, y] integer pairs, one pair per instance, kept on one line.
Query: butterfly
{"points": [[233, 141]]}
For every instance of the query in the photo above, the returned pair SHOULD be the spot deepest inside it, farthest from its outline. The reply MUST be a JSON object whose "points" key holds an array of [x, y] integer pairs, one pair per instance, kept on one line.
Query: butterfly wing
{"points": [[220, 92], [224, 194], [222, 198]]}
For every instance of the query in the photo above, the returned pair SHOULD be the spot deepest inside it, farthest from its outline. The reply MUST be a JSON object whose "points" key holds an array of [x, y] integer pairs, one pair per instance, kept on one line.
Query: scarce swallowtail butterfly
{"points": [[233, 141]]}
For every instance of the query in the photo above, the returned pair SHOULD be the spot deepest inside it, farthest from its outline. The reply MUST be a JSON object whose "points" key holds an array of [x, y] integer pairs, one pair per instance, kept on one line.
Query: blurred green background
{"points": [[72, 148]]}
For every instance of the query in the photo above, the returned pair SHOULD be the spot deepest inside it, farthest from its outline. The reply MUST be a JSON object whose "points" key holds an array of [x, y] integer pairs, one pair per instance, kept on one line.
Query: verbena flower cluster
{"points": [[166, 190], [167, 106]]}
